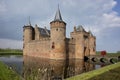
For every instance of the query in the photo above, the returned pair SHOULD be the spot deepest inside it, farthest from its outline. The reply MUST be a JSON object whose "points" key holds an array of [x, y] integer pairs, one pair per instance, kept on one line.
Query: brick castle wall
{"points": [[38, 48]]}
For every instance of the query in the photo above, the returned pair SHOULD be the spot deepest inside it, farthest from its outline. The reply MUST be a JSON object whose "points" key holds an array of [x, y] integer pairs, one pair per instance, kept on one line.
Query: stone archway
{"points": [[86, 53]]}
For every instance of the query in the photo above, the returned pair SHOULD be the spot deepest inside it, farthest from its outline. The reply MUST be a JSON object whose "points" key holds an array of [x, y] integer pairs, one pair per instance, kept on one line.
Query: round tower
{"points": [[58, 37], [27, 33]]}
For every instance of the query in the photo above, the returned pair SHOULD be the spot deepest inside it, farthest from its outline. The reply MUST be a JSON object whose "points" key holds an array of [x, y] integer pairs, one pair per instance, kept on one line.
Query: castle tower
{"points": [[28, 35], [79, 43], [58, 37], [92, 43], [28, 32]]}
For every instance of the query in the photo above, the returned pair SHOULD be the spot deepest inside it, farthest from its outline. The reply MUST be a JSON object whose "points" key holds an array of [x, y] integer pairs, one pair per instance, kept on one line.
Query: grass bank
{"points": [[11, 51], [113, 74], [7, 74], [110, 71]]}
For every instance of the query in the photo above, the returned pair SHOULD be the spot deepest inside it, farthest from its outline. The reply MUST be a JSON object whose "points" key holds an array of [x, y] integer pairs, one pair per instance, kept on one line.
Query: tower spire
{"points": [[29, 21], [58, 15]]}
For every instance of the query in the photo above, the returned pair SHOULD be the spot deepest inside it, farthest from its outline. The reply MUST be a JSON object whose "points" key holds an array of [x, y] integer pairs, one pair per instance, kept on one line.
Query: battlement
{"points": [[58, 24]]}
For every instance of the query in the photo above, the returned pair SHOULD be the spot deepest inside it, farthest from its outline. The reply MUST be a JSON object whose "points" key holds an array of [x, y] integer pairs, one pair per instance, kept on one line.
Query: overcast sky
{"points": [[102, 17]]}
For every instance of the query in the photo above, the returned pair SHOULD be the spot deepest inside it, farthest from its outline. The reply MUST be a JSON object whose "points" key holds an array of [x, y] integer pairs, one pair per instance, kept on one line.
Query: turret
{"points": [[28, 33], [37, 32], [79, 43], [92, 43], [58, 37], [80, 36]]}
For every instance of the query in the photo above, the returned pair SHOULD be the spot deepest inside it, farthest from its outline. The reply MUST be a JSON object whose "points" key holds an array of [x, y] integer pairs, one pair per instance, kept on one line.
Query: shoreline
{"points": [[6, 73], [11, 53], [96, 73]]}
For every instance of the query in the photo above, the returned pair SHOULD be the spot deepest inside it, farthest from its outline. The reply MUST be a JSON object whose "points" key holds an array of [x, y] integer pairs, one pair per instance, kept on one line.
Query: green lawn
{"points": [[110, 72], [11, 51], [113, 74], [8, 74]]}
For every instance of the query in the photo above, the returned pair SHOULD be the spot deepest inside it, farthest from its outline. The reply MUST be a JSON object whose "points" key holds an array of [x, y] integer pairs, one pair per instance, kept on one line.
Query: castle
{"points": [[53, 44]]}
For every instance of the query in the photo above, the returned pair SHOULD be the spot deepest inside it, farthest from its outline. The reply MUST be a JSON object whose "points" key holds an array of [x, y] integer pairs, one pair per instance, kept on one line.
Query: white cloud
{"points": [[97, 16], [111, 19]]}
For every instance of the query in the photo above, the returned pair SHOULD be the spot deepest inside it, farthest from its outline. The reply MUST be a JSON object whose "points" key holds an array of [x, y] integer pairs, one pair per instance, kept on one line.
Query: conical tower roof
{"points": [[58, 15], [90, 33], [80, 28]]}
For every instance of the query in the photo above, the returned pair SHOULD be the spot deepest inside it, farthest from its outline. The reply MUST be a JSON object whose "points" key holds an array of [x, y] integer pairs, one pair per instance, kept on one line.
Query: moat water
{"points": [[43, 69]]}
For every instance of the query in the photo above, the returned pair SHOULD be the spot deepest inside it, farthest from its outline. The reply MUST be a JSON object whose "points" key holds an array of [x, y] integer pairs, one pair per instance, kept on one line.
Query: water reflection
{"points": [[44, 69], [13, 61]]}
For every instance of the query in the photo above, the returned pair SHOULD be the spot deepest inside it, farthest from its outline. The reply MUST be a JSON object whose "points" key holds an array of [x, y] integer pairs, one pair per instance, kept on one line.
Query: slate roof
{"points": [[80, 28], [44, 32], [58, 15]]}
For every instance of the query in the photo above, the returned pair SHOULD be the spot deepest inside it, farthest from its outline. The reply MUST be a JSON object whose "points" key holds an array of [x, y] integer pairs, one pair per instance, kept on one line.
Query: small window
{"points": [[57, 29], [53, 45]]}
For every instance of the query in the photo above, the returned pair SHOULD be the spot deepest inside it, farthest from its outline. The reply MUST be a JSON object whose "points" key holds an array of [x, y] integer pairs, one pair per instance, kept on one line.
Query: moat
{"points": [[43, 69]]}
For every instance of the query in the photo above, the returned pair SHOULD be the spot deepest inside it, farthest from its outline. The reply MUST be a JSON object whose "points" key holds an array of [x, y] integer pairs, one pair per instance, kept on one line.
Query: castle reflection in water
{"points": [[44, 69]]}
